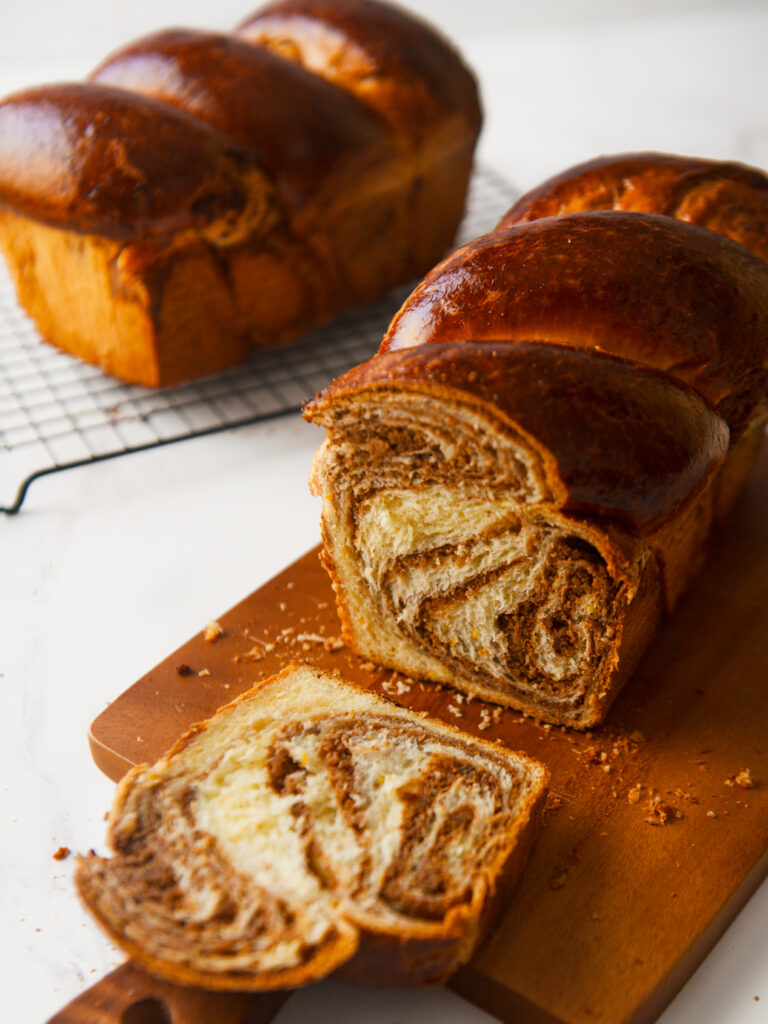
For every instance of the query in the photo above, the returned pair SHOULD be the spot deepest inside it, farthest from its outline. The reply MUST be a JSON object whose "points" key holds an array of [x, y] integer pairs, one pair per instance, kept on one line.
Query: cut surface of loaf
{"points": [[521, 484], [311, 827], [203, 194]]}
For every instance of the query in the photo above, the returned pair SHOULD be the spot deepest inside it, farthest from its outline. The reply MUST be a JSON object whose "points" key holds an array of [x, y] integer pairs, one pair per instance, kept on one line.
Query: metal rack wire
{"points": [[57, 412]]}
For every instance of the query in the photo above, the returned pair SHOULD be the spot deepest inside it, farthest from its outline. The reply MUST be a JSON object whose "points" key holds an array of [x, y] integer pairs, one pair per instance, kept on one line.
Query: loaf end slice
{"points": [[310, 827]]}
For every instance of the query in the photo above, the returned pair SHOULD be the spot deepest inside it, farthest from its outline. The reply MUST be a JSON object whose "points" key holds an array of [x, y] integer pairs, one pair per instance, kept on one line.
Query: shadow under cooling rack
{"points": [[57, 412]]}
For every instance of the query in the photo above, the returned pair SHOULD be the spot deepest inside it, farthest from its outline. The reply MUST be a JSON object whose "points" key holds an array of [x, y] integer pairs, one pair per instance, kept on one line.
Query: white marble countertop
{"points": [[110, 567]]}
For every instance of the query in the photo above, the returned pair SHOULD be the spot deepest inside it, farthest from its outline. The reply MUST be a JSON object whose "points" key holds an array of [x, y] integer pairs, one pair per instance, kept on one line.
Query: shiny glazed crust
{"points": [[728, 198], [521, 484], [312, 827], [209, 193]]}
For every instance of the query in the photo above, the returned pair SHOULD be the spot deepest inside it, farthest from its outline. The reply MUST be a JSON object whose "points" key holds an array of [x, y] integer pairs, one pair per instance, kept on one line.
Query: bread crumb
{"points": [[212, 632], [553, 802], [256, 653], [333, 644], [455, 711], [310, 638], [633, 796], [688, 797], [204, 672], [637, 736], [660, 813], [743, 779], [62, 853], [711, 814], [396, 687]]}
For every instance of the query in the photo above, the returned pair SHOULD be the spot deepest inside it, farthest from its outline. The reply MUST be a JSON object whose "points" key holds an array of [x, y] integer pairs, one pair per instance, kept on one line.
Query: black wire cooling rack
{"points": [[57, 412]]}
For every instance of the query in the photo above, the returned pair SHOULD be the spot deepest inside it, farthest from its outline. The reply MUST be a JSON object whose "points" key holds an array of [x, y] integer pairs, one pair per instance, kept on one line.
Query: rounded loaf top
{"points": [[391, 60], [305, 132], [99, 159], [644, 287], [726, 197]]}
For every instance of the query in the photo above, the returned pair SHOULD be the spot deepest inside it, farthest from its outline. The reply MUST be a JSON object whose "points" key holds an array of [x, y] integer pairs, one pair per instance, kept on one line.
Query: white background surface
{"points": [[109, 568]]}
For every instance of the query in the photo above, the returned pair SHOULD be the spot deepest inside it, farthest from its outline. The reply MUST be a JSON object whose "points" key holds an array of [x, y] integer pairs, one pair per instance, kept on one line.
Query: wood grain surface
{"points": [[657, 831]]}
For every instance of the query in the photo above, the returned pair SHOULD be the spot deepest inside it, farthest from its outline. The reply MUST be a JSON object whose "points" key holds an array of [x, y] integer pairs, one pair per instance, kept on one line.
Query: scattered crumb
{"points": [[256, 653], [637, 736], [183, 670], [282, 606], [310, 638], [553, 802], [688, 797], [367, 666], [633, 796], [333, 644], [455, 711], [62, 853], [661, 813], [396, 687], [204, 672], [743, 779], [212, 632], [711, 814]]}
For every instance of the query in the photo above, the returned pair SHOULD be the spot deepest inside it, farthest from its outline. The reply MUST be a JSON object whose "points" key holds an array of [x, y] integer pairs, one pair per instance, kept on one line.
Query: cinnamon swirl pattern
{"points": [[474, 541], [523, 480], [305, 819]]}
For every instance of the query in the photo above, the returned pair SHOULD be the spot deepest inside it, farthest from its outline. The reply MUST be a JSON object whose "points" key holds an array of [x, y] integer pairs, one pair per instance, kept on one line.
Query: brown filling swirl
{"points": [[453, 808]]}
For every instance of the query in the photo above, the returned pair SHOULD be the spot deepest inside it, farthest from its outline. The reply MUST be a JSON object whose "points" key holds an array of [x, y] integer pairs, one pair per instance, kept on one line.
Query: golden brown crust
{"points": [[311, 138], [388, 59], [616, 440], [270, 194], [523, 481], [96, 159], [726, 197], [643, 287], [155, 896]]}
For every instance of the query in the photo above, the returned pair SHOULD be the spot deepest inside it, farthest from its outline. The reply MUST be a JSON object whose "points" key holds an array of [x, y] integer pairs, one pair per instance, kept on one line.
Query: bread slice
{"points": [[312, 826]]}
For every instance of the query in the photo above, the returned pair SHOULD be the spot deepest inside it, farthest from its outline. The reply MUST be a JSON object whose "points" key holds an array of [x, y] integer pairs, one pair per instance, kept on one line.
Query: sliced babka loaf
{"points": [[311, 825]]}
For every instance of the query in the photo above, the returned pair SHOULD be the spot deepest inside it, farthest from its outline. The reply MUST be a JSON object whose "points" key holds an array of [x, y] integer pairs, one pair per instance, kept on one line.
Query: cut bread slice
{"points": [[311, 826]]}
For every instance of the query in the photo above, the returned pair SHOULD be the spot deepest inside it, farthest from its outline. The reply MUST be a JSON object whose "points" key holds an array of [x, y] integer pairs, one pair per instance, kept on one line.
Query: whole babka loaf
{"points": [[309, 827], [203, 194], [521, 483]]}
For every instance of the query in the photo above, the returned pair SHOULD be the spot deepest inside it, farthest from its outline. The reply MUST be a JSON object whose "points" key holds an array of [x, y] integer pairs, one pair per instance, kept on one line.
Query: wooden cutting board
{"points": [[617, 906]]}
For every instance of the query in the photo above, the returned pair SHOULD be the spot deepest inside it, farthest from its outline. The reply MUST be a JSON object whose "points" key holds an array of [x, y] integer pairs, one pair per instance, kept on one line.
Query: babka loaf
{"points": [[203, 194], [521, 483], [309, 827]]}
